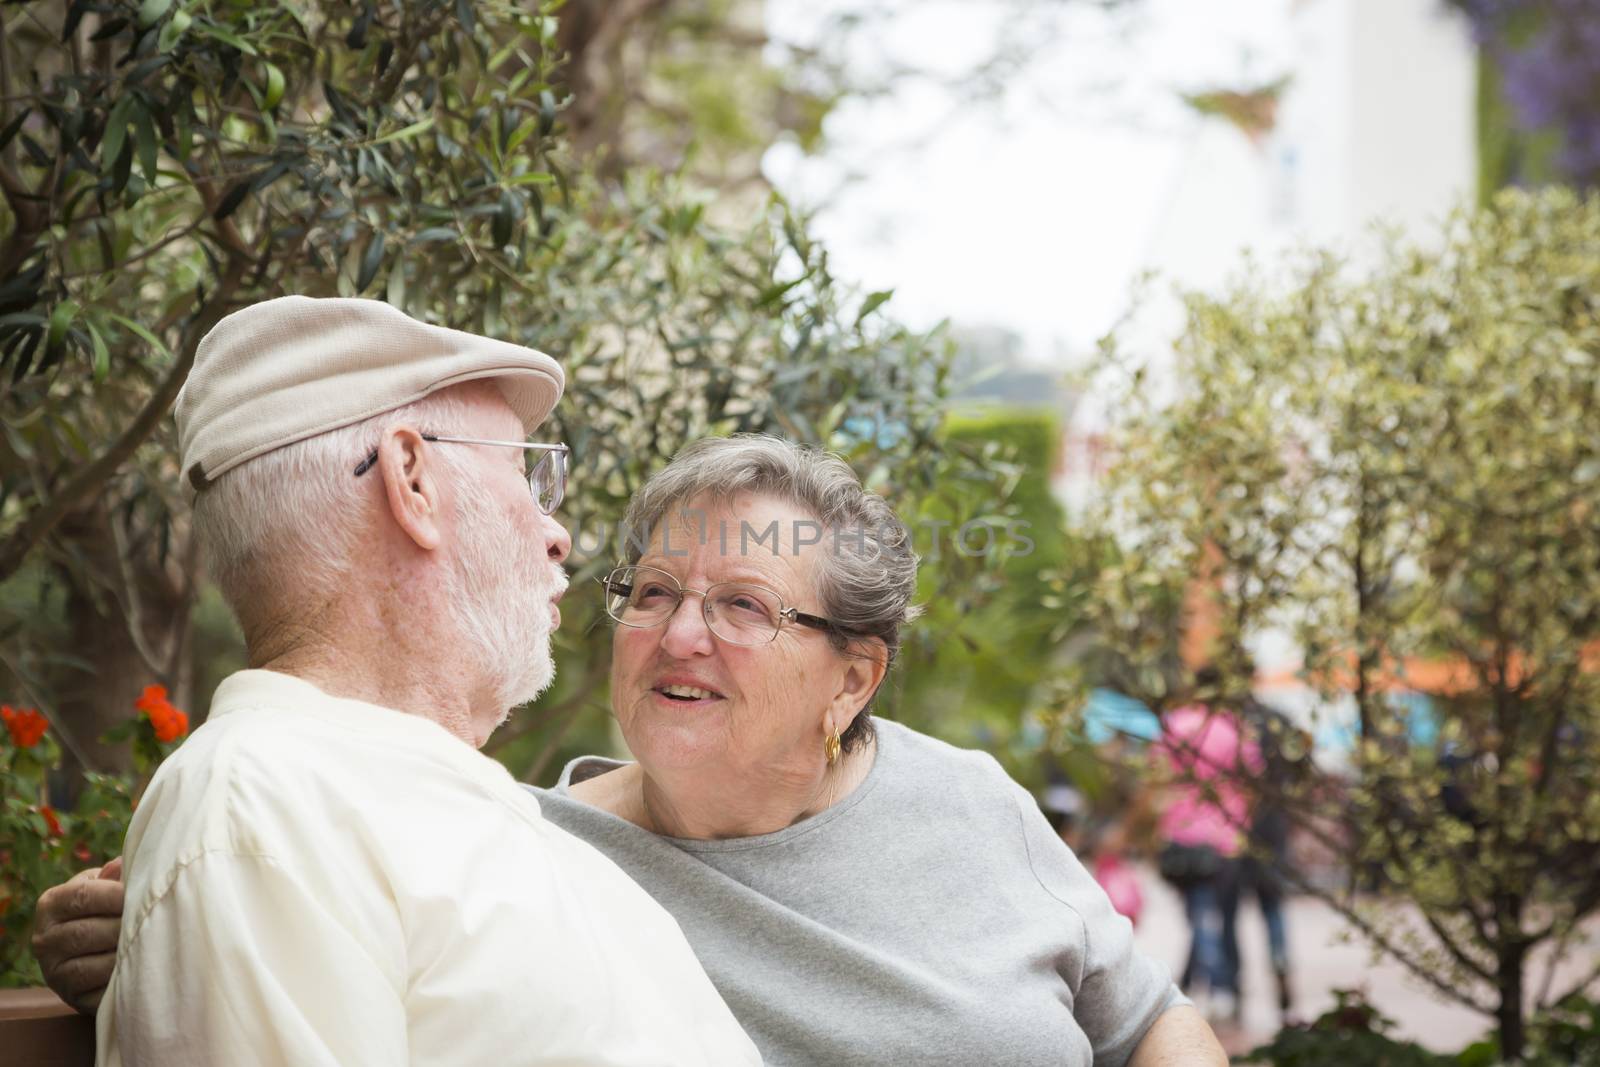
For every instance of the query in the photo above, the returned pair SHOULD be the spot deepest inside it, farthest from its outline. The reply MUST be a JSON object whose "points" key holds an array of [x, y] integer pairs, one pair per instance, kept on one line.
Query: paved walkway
{"points": [[1325, 957]]}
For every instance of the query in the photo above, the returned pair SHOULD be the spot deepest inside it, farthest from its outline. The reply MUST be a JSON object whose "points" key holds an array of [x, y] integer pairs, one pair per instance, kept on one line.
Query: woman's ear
{"points": [[410, 486], [866, 661]]}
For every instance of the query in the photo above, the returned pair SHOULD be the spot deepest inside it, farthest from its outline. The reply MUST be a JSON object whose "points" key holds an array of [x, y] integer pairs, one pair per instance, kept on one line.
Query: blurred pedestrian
{"points": [[1204, 816], [1259, 870]]}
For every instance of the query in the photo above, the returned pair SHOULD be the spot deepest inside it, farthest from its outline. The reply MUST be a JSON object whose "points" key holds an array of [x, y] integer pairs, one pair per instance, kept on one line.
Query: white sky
{"points": [[1032, 211]]}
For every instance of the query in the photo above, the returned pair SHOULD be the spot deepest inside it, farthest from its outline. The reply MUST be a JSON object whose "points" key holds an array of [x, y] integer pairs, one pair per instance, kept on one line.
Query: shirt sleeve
{"points": [[236, 962], [1118, 991]]}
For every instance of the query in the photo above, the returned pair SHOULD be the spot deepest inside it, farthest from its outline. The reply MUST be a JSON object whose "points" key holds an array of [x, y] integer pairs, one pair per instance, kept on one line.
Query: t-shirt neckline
{"points": [[738, 844]]}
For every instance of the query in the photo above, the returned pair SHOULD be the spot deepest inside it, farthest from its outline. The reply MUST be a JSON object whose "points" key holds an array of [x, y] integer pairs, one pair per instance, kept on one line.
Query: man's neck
{"points": [[386, 681]]}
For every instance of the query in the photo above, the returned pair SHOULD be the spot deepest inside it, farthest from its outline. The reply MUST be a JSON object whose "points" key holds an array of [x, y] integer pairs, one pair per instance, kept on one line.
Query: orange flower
{"points": [[26, 725], [50, 820], [170, 723]]}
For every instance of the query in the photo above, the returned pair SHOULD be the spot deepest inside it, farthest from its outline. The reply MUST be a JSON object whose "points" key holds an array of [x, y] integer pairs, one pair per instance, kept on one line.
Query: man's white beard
{"points": [[500, 590]]}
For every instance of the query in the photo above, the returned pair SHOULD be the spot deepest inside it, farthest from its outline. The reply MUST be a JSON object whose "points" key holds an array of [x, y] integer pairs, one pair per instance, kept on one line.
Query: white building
{"points": [[1375, 125]]}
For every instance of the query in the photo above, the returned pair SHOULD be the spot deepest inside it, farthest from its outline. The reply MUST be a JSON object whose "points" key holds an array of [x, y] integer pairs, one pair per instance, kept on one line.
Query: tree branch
{"points": [[1388, 945], [89, 479], [1456, 952], [1582, 984]]}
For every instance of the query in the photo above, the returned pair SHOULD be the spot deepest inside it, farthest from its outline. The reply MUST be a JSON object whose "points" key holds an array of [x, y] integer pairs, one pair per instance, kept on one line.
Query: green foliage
{"points": [[1352, 1032], [180, 163], [1567, 1034], [1400, 468], [975, 668], [41, 847]]}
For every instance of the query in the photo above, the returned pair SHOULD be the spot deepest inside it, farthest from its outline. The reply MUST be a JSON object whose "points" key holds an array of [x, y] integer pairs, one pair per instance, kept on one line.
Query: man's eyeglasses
{"points": [[547, 480], [740, 613]]}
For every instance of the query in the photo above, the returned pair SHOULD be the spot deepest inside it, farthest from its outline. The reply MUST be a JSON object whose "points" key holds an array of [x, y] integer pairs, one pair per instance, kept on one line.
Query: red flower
{"points": [[26, 725], [170, 723], [50, 820], [82, 852]]}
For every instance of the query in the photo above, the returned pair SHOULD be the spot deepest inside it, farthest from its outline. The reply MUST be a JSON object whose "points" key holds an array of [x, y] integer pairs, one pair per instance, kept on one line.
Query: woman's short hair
{"points": [[866, 572]]}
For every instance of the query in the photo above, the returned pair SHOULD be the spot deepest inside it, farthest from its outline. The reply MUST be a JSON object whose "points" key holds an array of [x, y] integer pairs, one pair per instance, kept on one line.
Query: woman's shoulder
{"points": [[593, 795], [941, 774]]}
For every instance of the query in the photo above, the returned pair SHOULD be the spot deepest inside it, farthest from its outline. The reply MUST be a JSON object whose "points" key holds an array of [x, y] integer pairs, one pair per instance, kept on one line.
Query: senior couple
{"points": [[328, 873]]}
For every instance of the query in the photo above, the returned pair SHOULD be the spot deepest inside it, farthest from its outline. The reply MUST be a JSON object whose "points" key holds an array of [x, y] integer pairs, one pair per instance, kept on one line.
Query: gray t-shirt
{"points": [[930, 917]]}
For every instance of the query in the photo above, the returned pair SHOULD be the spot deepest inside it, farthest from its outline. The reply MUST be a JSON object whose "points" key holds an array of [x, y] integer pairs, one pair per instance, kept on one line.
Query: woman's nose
{"points": [[687, 633]]}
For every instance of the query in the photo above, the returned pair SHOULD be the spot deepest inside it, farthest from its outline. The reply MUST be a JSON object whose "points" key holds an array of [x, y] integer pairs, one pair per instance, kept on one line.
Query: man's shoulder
{"points": [[258, 747], [258, 780]]}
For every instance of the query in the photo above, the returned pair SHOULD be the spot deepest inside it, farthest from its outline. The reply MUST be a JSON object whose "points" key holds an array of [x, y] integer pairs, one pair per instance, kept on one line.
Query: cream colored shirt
{"points": [[316, 881]]}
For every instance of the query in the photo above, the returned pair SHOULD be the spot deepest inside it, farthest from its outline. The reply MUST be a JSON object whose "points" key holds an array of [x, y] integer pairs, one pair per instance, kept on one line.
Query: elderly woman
{"points": [[858, 892]]}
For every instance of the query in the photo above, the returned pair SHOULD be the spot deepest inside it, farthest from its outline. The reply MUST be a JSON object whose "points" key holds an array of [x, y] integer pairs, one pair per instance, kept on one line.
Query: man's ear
{"points": [[411, 485]]}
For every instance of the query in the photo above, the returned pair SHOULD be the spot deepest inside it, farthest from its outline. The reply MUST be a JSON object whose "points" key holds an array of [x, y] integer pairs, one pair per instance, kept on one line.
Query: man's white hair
{"points": [[281, 532]]}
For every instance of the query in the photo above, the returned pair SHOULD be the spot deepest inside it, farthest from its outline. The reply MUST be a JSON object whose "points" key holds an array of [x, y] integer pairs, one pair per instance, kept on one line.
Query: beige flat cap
{"points": [[284, 370]]}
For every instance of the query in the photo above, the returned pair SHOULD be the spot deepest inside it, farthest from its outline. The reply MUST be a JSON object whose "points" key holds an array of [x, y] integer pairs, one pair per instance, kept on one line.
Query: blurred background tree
{"points": [[1400, 467]]}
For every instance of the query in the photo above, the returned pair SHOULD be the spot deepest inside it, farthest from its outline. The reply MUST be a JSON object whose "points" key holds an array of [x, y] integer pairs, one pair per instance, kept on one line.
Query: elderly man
{"points": [[327, 872]]}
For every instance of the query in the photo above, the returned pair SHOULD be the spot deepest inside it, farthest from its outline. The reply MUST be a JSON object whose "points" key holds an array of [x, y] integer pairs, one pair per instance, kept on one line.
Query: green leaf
{"points": [[143, 333], [535, 177], [371, 260], [109, 28], [173, 30], [60, 320], [227, 37], [436, 233], [774, 294], [406, 131], [102, 355], [273, 93], [13, 126], [395, 291], [872, 303], [145, 132], [231, 199], [150, 11], [116, 129]]}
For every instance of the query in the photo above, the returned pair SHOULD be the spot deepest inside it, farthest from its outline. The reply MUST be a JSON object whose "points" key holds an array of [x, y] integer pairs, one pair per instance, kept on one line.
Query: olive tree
{"points": [[163, 162], [1401, 465]]}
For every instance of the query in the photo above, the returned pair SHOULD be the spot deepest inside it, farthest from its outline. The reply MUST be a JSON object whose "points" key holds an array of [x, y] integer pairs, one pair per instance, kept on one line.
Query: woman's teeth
{"points": [[687, 692]]}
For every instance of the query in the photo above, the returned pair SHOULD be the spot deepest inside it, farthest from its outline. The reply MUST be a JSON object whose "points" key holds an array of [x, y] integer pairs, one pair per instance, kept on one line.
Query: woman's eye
{"points": [[745, 603]]}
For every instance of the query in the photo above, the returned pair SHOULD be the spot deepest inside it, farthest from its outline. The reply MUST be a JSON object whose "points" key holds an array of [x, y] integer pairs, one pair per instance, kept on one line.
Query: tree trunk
{"points": [[91, 702], [1509, 980]]}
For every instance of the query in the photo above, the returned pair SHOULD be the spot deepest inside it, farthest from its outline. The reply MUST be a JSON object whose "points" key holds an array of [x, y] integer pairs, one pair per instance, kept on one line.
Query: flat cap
{"points": [[284, 370]]}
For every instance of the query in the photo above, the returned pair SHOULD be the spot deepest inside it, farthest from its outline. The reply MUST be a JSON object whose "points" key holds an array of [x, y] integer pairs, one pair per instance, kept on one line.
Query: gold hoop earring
{"points": [[830, 748]]}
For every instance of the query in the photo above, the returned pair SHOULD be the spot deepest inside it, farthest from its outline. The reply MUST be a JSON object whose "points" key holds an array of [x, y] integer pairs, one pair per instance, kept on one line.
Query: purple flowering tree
{"points": [[1545, 57]]}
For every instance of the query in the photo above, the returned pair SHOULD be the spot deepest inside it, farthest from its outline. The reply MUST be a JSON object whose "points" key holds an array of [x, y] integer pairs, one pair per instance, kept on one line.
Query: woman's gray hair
{"points": [[867, 570]]}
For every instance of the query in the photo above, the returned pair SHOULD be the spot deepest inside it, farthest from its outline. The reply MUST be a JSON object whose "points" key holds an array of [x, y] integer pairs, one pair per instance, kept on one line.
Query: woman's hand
{"points": [[75, 930]]}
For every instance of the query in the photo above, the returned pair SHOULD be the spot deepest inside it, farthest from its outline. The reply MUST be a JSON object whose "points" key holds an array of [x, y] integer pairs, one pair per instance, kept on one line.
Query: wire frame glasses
{"points": [[740, 613], [547, 480]]}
